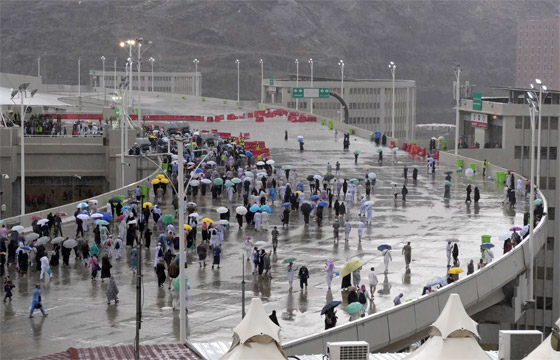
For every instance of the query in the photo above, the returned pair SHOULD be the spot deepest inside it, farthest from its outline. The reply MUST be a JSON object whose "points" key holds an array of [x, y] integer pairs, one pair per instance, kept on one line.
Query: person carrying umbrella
{"points": [[407, 252], [455, 254], [487, 256], [356, 154], [330, 318], [303, 276]]}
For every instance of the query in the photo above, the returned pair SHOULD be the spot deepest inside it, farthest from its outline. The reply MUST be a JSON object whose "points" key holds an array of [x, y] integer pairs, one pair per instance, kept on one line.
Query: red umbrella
{"points": [[61, 213], [119, 219], [35, 218]]}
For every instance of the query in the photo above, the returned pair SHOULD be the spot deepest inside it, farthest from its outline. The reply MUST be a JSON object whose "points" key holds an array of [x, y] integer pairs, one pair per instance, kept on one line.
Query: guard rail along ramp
{"points": [[395, 328]]}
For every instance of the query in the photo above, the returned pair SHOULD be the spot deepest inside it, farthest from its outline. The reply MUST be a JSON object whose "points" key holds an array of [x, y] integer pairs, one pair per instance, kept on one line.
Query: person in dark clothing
{"points": [[352, 296], [261, 262], [273, 317], [56, 256], [216, 252], [470, 267], [320, 215], [79, 227], [285, 217], [346, 281], [97, 235], [239, 219], [476, 194], [415, 174], [405, 172], [40, 253], [3, 259], [66, 256], [469, 190], [303, 276], [147, 237], [160, 271], [507, 246], [380, 159], [404, 191], [455, 253], [105, 267], [345, 187], [23, 263], [330, 319], [336, 207], [286, 135]]}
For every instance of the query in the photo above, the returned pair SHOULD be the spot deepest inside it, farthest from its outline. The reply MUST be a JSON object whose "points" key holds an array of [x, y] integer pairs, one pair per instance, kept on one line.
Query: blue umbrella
{"points": [[487, 246], [84, 212], [107, 216], [322, 203], [254, 208], [126, 207], [286, 204], [248, 153], [314, 197], [199, 170], [383, 247], [26, 248], [266, 208], [377, 134]]}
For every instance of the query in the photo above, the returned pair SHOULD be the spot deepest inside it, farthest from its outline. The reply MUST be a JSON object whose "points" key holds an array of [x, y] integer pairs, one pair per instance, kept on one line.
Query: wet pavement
{"points": [[80, 317]]}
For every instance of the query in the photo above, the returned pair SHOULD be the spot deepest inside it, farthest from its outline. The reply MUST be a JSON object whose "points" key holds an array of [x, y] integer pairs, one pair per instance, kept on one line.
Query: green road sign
{"points": [[117, 111], [271, 80], [300, 93], [477, 101]]}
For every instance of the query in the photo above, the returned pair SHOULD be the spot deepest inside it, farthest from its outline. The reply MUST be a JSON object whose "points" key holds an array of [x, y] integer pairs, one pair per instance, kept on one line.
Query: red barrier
{"points": [[246, 136], [392, 144], [436, 154], [210, 119], [231, 117], [250, 115], [259, 119], [422, 152], [405, 146]]}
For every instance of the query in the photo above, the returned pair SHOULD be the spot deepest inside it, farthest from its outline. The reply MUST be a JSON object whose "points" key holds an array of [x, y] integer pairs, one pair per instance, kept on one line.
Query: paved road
{"points": [[79, 315]]}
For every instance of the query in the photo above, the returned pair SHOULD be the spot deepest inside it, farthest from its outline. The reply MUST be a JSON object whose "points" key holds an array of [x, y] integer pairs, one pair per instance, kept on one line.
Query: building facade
{"points": [[505, 126], [188, 83], [538, 52], [369, 102]]}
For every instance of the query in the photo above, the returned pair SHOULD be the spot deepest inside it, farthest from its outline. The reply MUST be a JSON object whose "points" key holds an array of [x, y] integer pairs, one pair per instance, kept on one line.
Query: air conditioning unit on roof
{"points": [[348, 350]]}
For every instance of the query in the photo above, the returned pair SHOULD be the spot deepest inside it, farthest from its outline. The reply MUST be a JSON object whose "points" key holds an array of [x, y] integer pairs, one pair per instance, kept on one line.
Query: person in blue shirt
{"points": [[36, 303]]}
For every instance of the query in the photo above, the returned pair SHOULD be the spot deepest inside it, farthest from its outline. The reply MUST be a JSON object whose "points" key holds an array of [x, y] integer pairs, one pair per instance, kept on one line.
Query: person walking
{"points": [[469, 190], [216, 253], [407, 252], [372, 279], [133, 259], [201, 251], [94, 265], [112, 291], [395, 191], [275, 234], [329, 268], [455, 254], [404, 192], [470, 267], [105, 267], [291, 272], [397, 299], [303, 276], [336, 227], [8, 287], [448, 250], [361, 227], [356, 277], [37, 302], [386, 259], [160, 271], [347, 228], [45, 267], [362, 299], [484, 165], [476, 194], [487, 256]]}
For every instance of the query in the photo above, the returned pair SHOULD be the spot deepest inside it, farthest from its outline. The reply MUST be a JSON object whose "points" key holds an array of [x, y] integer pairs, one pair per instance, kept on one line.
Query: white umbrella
{"points": [[31, 237], [190, 203], [241, 210], [223, 222], [222, 210], [195, 175], [82, 205], [249, 174], [453, 240], [43, 240], [261, 174], [261, 243], [270, 162], [206, 181], [247, 179], [194, 183], [165, 139], [70, 243], [131, 222], [97, 216], [506, 235], [94, 202], [174, 157], [83, 216], [300, 137], [260, 163], [211, 163], [194, 215], [42, 222], [369, 203], [372, 175], [18, 228], [317, 177], [287, 167], [58, 240]]}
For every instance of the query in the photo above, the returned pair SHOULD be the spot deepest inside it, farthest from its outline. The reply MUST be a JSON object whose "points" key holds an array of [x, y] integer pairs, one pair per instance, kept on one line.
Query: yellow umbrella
{"points": [[299, 192], [349, 267], [164, 181], [187, 227], [455, 270], [155, 181], [160, 176], [207, 220], [147, 204]]}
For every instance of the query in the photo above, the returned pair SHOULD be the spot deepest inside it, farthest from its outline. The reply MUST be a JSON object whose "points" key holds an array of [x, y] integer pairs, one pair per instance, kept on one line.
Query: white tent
{"points": [[255, 335], [549, 349], [454, 336], [37, 100]]}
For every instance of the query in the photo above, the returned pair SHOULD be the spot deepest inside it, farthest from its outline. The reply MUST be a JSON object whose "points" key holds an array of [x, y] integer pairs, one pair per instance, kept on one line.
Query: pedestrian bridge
{"points": [[394, 329]]}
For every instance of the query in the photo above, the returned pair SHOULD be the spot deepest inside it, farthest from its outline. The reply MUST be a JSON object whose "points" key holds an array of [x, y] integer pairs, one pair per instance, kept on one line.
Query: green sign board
{"points": [[271, 80], [477, 101], [300, 93], [117, 111]]}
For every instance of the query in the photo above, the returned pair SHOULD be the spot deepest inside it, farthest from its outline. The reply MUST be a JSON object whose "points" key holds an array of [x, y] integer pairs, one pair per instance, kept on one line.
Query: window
{"points": [[518, 122], [551, 213], [552, 183], [517, 152], [525, 152], [553, 123], [544, 152], [552, 153], [543, 182]]}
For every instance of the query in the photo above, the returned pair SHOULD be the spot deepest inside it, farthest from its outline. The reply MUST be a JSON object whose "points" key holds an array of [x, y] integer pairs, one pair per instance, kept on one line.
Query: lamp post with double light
{"points": [[297, 81], [195, 62], [458, 102], [540, 99], [341, 64], [151, 60], [533, 109], [262, 79], [393, 68], [237, 62], [310, 61], [103, 81]]}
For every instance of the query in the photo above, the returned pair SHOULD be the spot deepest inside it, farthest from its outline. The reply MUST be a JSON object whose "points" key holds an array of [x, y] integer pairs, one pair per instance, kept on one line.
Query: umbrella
{"points": [[241, 210], [43, 240], [289, 260], [504, 236], [198, 171], [93, 201], [314, 197], [31, 237], [33, 218], [119, 219], [447, 183], [207, 220], [132, 222], [309, 178], [437, 281], [300, 139], [261, 174], [431, 159], [384, 247], [265, 208], [453, 240], [218, 181], [195, 175], [270, 162], [254, 208], [372, 175], [101, 222], [377, 134], [354, 181], [379, 150], [82, 205], [133, 202], [70, 243], [524, 230], [449, 172], [84, 212], [322, 203], [369, 203], [222, 210], [194, 183], [455, 270], [261, 243], [17, 228], [58, 240], [329, 306], [229, 183], [248, 153], [194, 215], [83, 217], [487, 246], [26, 248], [168, 219], [515, 228], [191, 204], [236, 180], [160, 176], [164, 181], [61, 213], [354, 308], [260, 163], [223, 222], [147, 204], [206, 181], [287, 167], [249, 174], [44, 221], [126, 207], [305, 207], [349, 267], [115, 200], [211, 163], [187, 227], [537, 202], [107, 216], [329, 177], [317, 177], [299, 192], [395, 149], [469, 172], [97, 216], [356, 152]]}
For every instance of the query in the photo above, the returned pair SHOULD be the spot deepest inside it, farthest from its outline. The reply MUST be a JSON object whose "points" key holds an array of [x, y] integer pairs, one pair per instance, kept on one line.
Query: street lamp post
{"points": [[533, 107], [311, 100], [237, 62], [297, 81], [103, 82], [2, 178], [152, 62], [393, 67], [79, 85], [39, 67], [182, 258], [540, 102], [115, 76], [262, 79], [341, 64], [196, 61], [458, 99]]}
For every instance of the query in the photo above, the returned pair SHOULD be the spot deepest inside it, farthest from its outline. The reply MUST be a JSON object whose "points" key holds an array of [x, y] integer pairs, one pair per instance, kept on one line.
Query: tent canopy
{"points": [[37, 100], [437, 348], [454, 319], [256, 322]]}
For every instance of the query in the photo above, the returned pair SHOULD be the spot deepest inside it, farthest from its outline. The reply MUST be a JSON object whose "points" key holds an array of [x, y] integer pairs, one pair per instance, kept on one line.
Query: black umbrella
{"points": [[133, 202], [115, 200], [329, 177], [329, 306], [305, 208], [449, 172], [310, 177]]}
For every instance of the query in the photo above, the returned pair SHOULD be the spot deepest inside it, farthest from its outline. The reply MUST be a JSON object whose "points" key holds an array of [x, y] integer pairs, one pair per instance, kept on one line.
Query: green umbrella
{"points": [[537, 202], [447, 183], [218, 181], [379, 150], [168, 219], [177, 283], [102, 222], [357, 151], [236, 180], [289, 260], [354, 180], [242, 155], [354, 308]]}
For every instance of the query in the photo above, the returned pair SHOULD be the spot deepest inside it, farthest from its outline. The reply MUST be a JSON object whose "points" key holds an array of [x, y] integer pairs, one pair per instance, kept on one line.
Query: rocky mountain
{"points": [[425, 38]]}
